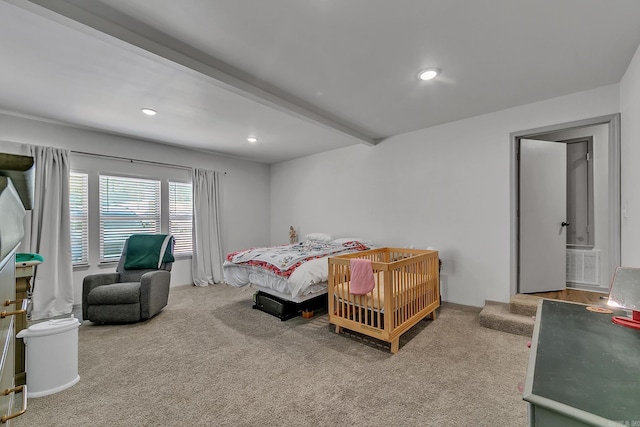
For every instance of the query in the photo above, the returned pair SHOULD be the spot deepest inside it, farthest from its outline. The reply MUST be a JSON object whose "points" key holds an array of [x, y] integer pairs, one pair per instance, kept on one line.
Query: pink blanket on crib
{"points": [[362, 281]]}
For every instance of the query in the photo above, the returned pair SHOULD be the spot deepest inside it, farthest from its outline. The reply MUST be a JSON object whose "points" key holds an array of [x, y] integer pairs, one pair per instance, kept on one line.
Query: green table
{"points": [[583, 369]]}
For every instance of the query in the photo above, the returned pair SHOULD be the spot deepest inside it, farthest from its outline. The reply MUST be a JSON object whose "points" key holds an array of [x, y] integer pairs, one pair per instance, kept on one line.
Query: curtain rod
{"points": [[84, 153]]}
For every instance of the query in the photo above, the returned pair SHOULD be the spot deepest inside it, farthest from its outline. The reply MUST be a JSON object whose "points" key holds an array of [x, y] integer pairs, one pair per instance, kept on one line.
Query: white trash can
{"points": [[52, 356]]}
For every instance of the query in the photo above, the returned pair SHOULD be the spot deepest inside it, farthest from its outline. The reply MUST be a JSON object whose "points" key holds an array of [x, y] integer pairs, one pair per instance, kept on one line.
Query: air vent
{"points": [[583, 266]]}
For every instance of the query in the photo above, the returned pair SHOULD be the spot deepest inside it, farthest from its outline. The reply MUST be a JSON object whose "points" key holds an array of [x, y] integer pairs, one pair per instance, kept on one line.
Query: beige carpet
{"points": [[209, 359]]}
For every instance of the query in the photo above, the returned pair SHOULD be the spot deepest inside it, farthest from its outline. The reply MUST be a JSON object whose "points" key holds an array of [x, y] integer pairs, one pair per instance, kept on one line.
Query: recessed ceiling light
{"points": [[149, 111], [428, 74], [252, 139]]}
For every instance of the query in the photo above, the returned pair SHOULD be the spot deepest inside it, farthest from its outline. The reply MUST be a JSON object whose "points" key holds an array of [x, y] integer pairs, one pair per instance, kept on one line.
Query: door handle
{"points": [[565, 224], [20, 389], [4, 314]]}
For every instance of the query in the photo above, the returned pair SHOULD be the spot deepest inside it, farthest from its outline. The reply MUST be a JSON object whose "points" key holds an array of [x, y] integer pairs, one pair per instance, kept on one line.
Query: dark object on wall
{"points": [[12, 224], [21, 171]]}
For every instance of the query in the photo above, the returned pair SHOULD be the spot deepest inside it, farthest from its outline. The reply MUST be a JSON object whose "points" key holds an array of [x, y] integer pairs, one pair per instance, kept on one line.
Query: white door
{"points": [[543, 207]]}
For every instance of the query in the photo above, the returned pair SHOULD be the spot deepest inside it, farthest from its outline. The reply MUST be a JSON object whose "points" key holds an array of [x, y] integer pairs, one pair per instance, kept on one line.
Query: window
{"points": [[181, 216], [79, 216], [127, 206]]}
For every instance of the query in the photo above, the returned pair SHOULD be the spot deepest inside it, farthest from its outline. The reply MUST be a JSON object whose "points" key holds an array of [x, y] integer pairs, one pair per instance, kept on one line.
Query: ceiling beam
{"points": [[99, 20]]}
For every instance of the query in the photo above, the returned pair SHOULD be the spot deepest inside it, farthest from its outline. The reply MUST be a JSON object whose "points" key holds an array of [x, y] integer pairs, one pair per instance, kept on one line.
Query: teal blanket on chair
{"points": [[24, 260], [148, 251]]}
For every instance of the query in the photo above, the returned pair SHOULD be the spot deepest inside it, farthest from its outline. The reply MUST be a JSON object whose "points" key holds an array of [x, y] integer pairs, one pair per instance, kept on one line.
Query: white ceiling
{"points": [[304, 76]]}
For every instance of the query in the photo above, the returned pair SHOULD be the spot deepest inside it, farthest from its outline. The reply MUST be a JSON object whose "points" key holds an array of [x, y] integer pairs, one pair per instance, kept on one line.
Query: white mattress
{"points": [[308, 279]]}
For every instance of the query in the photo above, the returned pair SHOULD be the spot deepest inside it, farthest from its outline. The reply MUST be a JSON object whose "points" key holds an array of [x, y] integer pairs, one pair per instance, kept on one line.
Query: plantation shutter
{"points": [[127, 206], [79, 217], [181, 216]]}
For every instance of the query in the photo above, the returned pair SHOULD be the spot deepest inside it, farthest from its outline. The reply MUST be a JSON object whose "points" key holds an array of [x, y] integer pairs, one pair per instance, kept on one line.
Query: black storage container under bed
{"points": [[285, 310]]}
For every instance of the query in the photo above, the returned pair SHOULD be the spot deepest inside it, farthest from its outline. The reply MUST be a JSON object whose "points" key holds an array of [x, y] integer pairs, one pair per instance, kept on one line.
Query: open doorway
{"points": [[588, 258]]}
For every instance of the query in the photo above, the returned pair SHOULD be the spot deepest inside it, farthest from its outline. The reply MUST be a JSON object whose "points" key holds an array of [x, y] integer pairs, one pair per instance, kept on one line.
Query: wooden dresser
{"points": [[18, 170], [7, 337], [584, 370]]}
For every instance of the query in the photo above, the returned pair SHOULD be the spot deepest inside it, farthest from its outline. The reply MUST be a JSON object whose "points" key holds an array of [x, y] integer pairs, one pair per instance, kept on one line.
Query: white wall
{"points": [[245, 187], [630, 171], [447, 186]]}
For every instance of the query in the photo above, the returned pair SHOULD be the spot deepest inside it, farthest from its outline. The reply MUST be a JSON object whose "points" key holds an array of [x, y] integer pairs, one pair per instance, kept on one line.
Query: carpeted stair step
{"points": [[523, 304], [496, 315]]}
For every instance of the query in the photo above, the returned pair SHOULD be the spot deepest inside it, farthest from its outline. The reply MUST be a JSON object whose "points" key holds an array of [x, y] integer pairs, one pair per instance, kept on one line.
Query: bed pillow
{"points": [[343, 240], [323, 237]]}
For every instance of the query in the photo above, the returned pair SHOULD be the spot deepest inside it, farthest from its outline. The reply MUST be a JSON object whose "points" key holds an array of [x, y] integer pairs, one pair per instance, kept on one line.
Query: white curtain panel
{"points": [[206, 264], [51, 234]]}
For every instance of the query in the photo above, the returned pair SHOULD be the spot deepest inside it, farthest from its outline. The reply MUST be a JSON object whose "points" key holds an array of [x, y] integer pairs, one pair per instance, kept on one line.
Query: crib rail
{"points": [[407, 289]]}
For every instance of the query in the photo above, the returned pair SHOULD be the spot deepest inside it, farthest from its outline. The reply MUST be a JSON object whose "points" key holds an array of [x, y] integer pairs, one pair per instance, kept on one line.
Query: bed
{"points": [[292, 276], [407, 289]]}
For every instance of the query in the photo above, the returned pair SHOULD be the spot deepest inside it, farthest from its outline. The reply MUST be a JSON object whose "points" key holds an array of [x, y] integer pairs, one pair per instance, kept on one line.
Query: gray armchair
{"points": [[126, 296]]}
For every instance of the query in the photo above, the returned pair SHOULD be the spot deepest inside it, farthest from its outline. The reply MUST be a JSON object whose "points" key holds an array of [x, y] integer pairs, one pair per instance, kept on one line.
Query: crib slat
{"points": [[407, 290]]}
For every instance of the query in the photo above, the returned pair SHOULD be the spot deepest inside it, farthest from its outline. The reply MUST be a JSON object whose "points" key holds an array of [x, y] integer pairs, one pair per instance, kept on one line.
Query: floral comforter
{"points": [[283, 260]]}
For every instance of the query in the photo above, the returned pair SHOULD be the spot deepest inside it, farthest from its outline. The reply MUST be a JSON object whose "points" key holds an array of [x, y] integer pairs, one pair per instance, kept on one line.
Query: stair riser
{"points": [[523, 309], [506, 325]]}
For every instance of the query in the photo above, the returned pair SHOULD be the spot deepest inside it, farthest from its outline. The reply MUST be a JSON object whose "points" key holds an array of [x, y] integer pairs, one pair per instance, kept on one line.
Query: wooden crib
{"points": [[407, 290]]}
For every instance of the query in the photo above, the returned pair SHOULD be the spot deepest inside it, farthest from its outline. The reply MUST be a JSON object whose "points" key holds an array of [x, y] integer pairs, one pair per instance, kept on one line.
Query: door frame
{"points": [[613, 122]]}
